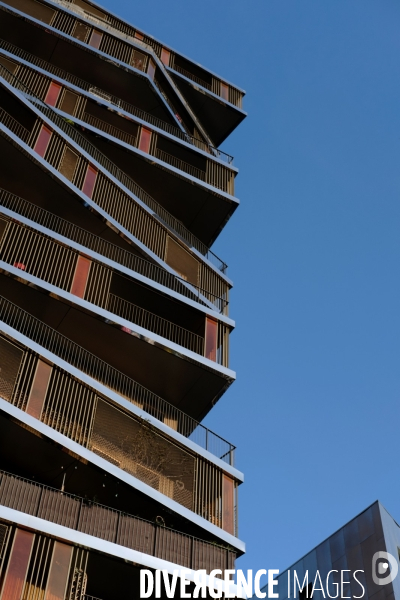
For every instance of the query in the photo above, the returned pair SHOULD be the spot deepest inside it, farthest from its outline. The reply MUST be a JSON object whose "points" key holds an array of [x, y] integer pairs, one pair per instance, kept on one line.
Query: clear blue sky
{"points": [[314, 252]]}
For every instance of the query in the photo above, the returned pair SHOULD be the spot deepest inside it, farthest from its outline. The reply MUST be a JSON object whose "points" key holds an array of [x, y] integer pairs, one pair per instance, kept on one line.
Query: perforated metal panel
{"points": [[138, 449], [10, 360], [69, 407]]}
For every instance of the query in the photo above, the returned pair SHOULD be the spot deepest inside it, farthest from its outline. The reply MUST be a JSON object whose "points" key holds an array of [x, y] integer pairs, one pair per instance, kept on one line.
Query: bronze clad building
{"points": [[114, 310]]}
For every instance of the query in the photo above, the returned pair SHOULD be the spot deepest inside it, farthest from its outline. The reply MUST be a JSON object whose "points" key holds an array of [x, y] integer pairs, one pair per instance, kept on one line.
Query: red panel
{"points": [[228, 493], [90, 180], [38, 390], [59, 571], [165, 56], [151, 69], [95, 39], [43, 140], [18, 565], [225, 91], [81, 276], [138, 35], [211, 339], [145, 138], [52, 93]]}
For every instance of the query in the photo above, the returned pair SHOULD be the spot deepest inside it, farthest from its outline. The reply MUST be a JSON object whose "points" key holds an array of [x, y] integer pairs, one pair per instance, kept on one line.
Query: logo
{"points": [[381, 574]]}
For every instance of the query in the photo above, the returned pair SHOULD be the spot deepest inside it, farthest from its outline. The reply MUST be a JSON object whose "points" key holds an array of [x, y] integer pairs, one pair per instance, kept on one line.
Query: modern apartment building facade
{"points": [[114, 311]]}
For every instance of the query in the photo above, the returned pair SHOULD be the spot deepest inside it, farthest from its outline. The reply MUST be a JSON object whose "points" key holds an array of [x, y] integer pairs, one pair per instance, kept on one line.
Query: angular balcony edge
{"points": [[123, 181], [41, 66], [90, 244], [127, 394], [120, 474]]}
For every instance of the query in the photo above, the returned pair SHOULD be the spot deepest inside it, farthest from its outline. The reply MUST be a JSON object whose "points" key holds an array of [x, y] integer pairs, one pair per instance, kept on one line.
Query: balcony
{"points": [[111, 525], [86, 362], [127, 182], [226, 93], [114, 101], [102, 247]]}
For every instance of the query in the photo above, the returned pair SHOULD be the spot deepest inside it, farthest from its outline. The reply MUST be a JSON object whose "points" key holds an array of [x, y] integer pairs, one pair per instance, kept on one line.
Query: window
{"points": [[43, 140], [90, 180], [52, 93], [95, 39]]}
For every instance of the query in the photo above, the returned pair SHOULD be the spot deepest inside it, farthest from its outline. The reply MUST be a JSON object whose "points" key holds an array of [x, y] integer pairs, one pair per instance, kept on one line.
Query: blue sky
{"points": [[314, 253]]}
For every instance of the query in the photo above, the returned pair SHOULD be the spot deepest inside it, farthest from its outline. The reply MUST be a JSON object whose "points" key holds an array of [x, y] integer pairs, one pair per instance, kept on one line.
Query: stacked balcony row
{"points": [[207, 113], [97, 184]]}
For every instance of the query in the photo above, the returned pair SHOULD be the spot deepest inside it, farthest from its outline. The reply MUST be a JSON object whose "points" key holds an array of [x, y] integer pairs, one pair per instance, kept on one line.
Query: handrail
{"points": [[189, 75], [170, 221], [13, 125], [115, 253], [180, 164], [87, 516], [129, 108], [116, 132], [148, 320], [91, 365]]}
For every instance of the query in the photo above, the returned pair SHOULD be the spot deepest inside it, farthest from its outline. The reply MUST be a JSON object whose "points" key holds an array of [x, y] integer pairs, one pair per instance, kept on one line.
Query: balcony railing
{"points": [[13, 125], [180, 164], [108, 524], [148, 320], [91, 365], [126, 106], [97, 244], [160, 212], [110, 129], [189, 75]]}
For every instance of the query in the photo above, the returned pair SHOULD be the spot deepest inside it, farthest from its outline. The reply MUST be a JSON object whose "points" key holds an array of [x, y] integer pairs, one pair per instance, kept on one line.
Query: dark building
{"points": [[114, 311], [352, 550]]}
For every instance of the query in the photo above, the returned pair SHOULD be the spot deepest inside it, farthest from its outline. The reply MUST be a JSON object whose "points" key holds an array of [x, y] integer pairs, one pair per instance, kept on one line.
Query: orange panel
{"points": [[145, 138], [228, 505], [39, 389], [59, 571], [80, 276], [43, 140], [165, 56], [225, 91], [18, 565], [95, 39], [211, 339], [52, 93], [90, 180], [138, 35]]}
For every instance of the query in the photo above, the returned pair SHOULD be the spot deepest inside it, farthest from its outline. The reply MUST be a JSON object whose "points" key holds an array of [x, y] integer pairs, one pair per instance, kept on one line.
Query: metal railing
{"points": [[180, 164], [13, 125], [148, 320], [164, 216], [126, 106], [189, 75], [107, 249], [85, 516], [116, 132], [91, 365]]}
